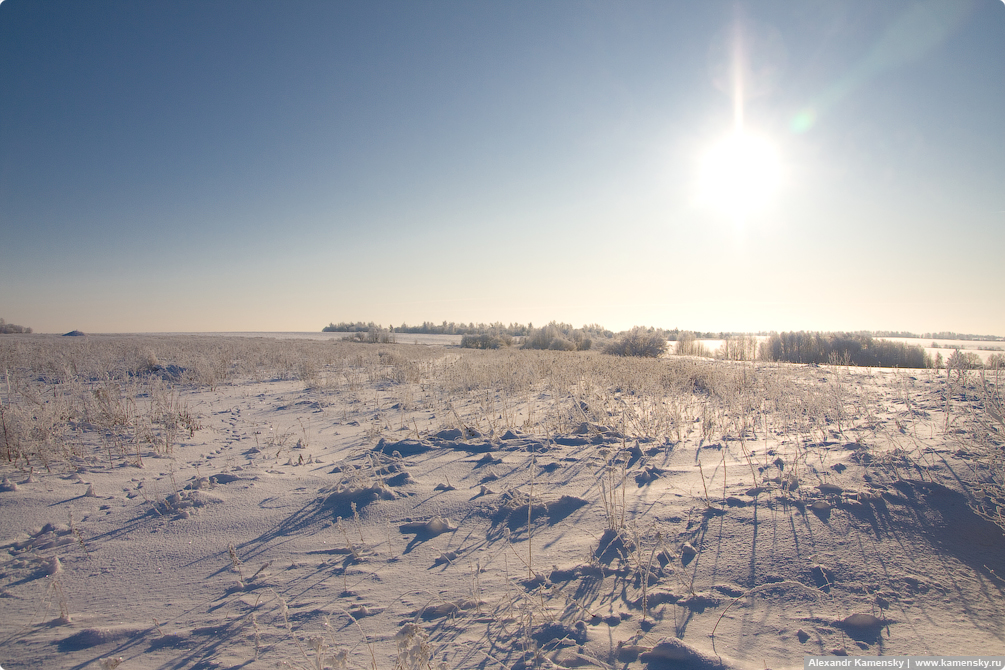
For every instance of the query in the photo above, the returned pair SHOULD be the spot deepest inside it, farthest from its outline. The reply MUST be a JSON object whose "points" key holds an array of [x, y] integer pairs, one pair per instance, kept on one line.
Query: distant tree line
{"points": [[842, 349], [451, 328], [639, 341], [593, 330], [944, 335], [12, 328], [862, 348], [948, 335], [676, 335]]}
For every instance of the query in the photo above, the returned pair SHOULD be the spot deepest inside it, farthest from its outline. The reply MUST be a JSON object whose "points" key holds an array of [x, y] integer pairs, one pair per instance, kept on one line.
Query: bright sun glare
{"points": [[739, 174]]}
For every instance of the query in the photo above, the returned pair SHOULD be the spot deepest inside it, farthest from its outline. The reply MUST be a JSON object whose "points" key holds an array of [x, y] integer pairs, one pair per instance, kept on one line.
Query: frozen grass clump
{"points": [[985, 439]]}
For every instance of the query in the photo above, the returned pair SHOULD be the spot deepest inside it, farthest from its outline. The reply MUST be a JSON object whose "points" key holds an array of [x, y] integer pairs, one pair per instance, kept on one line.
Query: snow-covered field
{"points": [[225, 502], [981, 348], [400, 338]]}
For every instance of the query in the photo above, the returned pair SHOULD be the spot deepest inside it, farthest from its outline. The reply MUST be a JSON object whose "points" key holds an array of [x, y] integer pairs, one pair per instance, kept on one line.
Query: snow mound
{"points": [[93, 637], [673, 653]]}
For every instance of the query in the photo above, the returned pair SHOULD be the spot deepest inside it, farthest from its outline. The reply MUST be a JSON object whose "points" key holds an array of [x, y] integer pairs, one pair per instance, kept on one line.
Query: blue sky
{"points": [[234, 166]]}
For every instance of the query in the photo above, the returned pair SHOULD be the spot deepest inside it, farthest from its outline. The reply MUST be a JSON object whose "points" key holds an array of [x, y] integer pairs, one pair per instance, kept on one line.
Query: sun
{"points": [[739, 175]]}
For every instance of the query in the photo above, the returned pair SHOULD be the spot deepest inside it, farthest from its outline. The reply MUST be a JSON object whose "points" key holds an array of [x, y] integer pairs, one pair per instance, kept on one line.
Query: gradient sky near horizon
{"points": [[276, 165]]}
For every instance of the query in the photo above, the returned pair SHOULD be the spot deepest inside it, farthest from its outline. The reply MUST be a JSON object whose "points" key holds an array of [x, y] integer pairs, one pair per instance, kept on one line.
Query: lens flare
{"points": [[739, 174]]}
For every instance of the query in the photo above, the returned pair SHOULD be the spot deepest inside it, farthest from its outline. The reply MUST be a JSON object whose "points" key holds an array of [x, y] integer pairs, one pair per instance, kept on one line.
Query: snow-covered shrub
{"points": [[639, 342]]}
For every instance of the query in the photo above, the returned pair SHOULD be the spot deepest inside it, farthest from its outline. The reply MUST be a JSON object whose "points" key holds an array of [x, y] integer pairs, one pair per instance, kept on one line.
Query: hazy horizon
{"points": [[272, 167], [703, 335]]}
